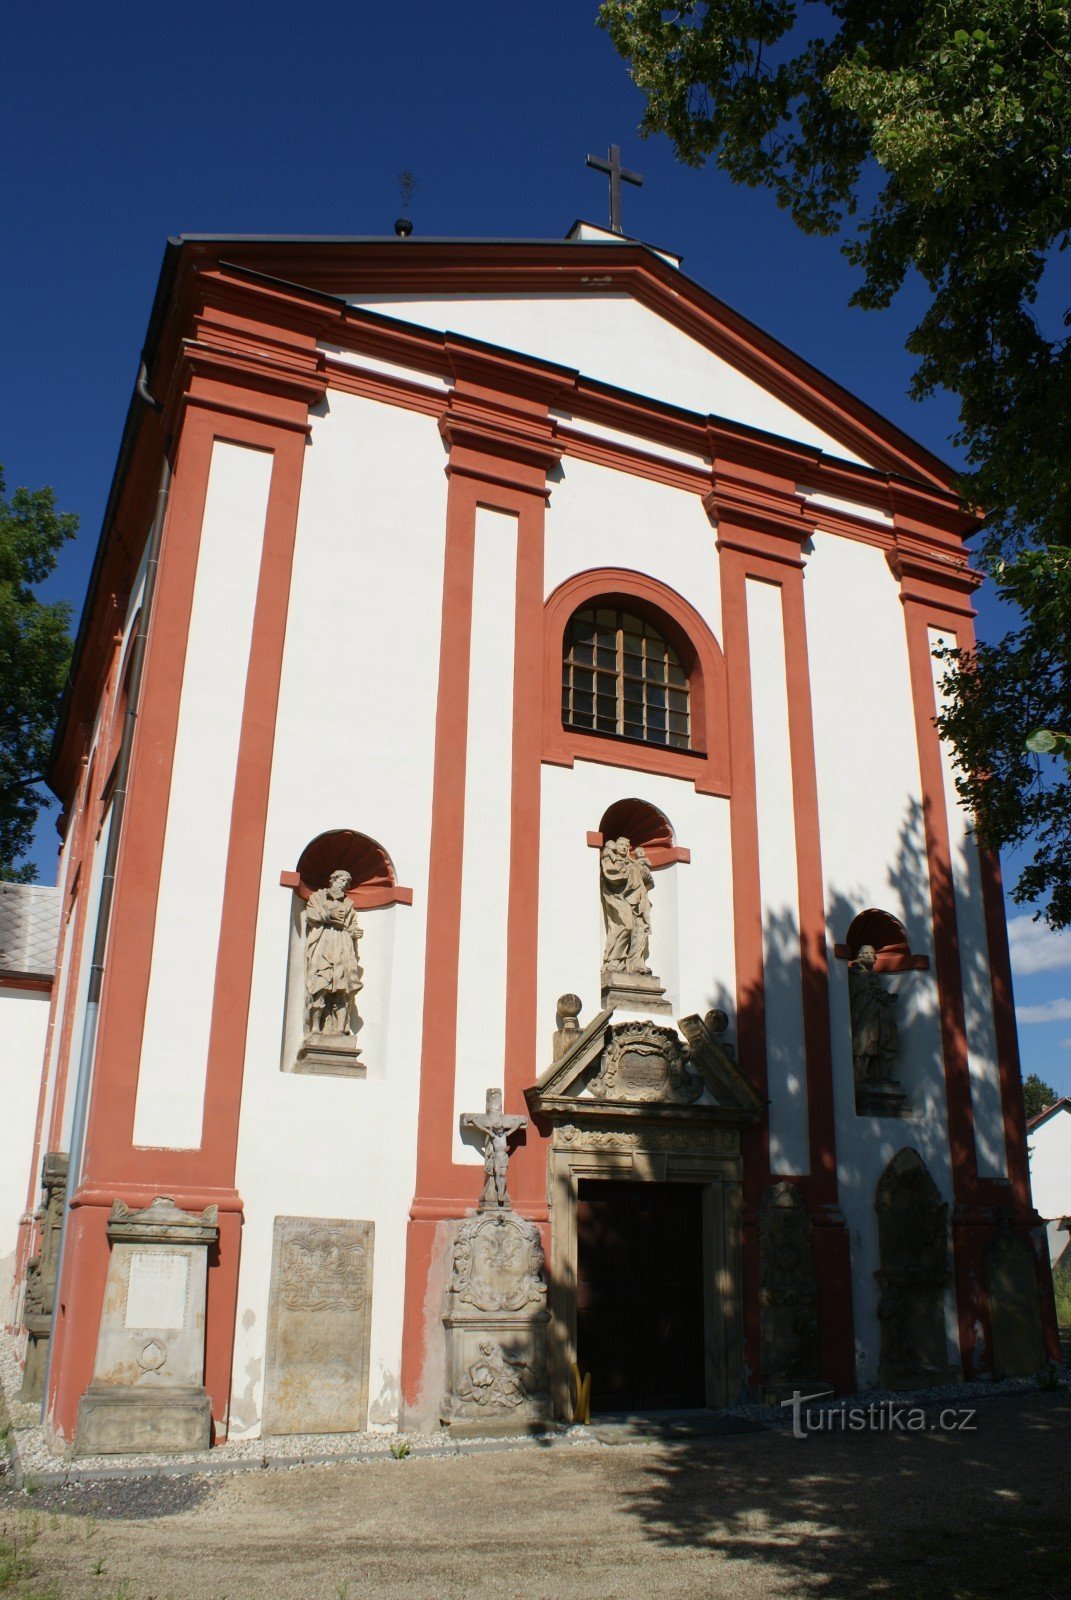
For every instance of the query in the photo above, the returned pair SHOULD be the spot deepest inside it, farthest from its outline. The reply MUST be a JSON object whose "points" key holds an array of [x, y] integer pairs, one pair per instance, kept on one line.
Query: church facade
{"points": [[517, 922]]}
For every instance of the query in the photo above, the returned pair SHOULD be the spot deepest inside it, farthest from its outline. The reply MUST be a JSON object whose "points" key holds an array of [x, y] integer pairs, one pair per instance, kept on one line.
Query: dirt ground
{"points": [[900, 1516]]}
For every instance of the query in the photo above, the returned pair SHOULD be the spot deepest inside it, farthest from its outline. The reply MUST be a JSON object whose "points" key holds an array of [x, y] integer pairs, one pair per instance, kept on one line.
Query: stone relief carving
{"points": [[41, 1274], [788, 1296], [643, 1062], [316, 1364], [495, 1316], [498, 1263], [913, 1249], [716, 1141], [495, 1380], [875, 1038], [321, 1270], [497, 1129]]}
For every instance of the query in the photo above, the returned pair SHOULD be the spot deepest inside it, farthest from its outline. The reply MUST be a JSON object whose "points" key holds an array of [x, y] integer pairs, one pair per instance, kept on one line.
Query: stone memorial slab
{"points": [[319, 1314], [148, 1389], [1015, 1309]]}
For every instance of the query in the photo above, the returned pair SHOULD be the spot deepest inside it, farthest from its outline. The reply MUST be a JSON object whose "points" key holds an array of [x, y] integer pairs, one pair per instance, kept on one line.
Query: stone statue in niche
{"points": [[332, 979], [625, 884], [331, 969], [875, 1038], [497, 1130]]}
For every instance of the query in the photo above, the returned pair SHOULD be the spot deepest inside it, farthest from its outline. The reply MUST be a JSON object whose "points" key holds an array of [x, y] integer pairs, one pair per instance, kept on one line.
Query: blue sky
{"points": [[123, 123]]}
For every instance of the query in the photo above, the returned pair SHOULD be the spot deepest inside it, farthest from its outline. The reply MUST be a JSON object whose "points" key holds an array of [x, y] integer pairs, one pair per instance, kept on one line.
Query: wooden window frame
{"points": [[706, 762]]}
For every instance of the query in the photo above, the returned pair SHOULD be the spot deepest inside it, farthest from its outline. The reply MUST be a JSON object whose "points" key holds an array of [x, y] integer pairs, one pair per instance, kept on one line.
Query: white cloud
{"points": [[1035, 948], [1047, 1011], [1065, 1044]]}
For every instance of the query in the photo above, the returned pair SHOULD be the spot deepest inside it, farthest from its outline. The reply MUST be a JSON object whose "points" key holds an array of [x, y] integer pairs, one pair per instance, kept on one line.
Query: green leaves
{"points": [[964, 112], [35, 648]]}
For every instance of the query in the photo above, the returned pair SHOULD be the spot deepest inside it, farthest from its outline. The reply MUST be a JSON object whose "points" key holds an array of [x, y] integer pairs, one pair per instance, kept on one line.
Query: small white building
{"points": [[1049, 1149]]}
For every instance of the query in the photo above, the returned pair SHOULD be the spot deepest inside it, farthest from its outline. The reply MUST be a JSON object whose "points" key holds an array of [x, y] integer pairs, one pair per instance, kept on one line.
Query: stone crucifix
{"points": [[497, 1130]]}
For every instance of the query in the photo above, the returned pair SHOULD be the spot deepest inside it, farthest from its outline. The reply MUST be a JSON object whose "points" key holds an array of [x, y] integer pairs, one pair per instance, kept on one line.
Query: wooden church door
{"points": [[639, 1296]]}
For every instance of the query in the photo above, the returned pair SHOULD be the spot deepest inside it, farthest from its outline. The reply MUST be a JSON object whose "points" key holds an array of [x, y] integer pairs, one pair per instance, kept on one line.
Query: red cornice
{"points": [[437, 267]]}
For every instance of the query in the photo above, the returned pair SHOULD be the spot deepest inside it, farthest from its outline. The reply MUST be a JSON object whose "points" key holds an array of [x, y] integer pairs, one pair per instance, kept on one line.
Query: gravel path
{"points": [[756, 1516]]}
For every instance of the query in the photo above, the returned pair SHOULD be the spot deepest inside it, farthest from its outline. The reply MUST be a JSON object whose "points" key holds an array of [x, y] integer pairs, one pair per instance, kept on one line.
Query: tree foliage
{"points": [[939, 133], [1037, 1094], [35, 650]]}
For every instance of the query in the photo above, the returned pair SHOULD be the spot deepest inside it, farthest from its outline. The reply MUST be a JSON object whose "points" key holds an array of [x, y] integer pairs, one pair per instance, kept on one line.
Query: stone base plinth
{"points": [[514, 1428], [143, 1420], [881, 1099], [331, 1055], [633, 991]]}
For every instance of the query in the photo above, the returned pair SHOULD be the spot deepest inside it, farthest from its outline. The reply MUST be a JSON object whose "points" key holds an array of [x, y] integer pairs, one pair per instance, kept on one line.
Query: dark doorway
{"points": [[639, 1294]]}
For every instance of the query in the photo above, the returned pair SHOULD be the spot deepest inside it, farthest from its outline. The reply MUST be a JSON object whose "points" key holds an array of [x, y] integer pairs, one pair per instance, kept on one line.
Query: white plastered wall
{"points": [[354, 748], [614, 338], [23, 1025], [483, 974], [982, 1057], [873, 855], [174, 1052], [600, 518]]}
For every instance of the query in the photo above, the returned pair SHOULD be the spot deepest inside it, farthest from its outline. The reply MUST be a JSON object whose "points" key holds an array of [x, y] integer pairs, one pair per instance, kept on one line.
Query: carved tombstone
{"points": [[332, 981], [875, 1039], [41, 1275], [788, 1294], [496, 1301], [625, 884], [148, 1389], [914, 1272], [1014, 1307], [496, 1326], [319, 1312]]}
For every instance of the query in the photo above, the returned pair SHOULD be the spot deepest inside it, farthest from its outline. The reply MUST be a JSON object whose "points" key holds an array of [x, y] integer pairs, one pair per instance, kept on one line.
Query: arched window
{"points": [[621, 676]]}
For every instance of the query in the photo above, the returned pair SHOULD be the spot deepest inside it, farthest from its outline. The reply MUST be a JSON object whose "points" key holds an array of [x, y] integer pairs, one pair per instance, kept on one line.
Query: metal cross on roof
{"points": [[616, 172]]}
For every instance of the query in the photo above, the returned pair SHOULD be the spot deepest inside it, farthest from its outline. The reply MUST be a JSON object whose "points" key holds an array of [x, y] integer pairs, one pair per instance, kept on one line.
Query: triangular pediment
{"points": [[622, 1064]]}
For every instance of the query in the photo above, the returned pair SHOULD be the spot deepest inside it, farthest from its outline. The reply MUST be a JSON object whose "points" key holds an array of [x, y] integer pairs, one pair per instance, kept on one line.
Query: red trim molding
{"points": [[658, 855], [365, 898], [706, 765]]}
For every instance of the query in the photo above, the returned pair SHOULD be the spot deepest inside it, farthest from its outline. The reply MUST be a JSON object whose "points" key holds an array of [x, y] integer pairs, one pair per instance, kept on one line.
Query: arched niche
{"points": [[889, 938], [641, 824], [371, 870]]}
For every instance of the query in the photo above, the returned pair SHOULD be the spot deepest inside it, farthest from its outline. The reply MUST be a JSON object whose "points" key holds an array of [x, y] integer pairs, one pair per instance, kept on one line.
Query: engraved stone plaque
{"points": [[318, 1326], [156, 1293]]}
